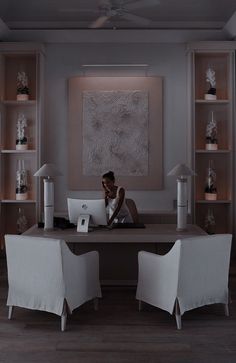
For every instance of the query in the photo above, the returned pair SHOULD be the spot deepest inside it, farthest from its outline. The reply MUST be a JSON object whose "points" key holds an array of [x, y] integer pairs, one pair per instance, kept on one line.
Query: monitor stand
{"points": [[83, 223]]}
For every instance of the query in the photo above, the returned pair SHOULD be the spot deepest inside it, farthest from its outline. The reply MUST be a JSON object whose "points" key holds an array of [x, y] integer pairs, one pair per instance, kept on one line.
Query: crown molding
{"points": [[230, 26], [117, 35], [4, 30]]}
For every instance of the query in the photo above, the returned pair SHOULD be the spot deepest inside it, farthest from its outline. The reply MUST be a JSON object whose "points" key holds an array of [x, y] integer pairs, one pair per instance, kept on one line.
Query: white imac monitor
{"points": [[80, 208]]}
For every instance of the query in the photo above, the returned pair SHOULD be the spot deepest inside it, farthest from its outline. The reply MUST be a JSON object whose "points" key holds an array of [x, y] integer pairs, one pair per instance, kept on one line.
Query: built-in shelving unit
{"points": [[14, 58], [220, 58]]}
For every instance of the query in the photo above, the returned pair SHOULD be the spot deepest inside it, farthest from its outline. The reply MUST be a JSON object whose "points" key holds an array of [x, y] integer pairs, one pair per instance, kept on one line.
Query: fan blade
{"points": [[136, 19], [141, 4], [99, 22], [78, 10]]}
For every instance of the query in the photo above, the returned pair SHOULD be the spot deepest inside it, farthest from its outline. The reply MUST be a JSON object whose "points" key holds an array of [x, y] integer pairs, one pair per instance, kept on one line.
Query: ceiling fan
{"points": [[109, 9]]}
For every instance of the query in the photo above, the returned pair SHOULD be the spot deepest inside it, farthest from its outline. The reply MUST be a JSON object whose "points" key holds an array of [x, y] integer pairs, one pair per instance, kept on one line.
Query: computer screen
{"points": [[94, 207]]}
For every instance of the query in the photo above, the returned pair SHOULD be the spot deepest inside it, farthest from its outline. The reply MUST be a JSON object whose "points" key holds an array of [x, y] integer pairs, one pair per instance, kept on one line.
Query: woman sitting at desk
{"points": [[115, 200]]}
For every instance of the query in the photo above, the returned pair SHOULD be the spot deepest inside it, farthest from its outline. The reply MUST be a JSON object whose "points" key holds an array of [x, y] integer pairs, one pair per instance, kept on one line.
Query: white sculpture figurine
{"points": [[211, 134], [21, 181], [211, 79], [21, 140]]}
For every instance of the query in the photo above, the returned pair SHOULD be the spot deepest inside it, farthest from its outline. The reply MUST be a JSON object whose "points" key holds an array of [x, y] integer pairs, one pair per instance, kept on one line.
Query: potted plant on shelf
{"points": [[21, 181], [210, 188], [211, 79], [21, 139], [22, 87], [211, 134]]}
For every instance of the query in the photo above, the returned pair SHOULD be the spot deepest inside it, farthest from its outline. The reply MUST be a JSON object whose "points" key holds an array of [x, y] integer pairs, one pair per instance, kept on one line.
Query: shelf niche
{"points": [[215, 55]]}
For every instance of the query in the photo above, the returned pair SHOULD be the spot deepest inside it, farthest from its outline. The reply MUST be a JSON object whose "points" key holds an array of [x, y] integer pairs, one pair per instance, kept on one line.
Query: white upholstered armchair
{"points": [[192, 274], [43, 274]]}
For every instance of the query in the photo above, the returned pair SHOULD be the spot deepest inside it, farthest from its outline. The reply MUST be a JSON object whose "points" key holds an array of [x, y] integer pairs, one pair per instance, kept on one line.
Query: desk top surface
{"points": [[153, 233]]}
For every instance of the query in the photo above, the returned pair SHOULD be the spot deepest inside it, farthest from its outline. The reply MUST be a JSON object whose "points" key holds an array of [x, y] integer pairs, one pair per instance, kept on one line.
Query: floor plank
{"points": [[117, 332]]}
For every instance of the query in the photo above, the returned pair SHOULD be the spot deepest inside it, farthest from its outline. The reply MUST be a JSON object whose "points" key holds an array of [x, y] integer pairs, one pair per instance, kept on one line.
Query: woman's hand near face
{"points": [[104, 188]]}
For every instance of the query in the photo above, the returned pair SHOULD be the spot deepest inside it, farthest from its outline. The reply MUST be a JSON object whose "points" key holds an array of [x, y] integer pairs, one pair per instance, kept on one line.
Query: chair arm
{"points": [[158, 278], [81, 277]]}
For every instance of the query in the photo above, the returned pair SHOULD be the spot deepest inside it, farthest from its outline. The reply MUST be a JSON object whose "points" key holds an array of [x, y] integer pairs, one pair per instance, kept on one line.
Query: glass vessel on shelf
{"points": [[211, 82], [210, 224], [21, 139], [21, 223], [210, 188], [211, 133], [21, 181], [22, 87]]}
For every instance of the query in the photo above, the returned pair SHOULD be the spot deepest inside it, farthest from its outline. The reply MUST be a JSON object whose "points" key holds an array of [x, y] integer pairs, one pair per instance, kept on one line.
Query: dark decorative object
{"points": [[21, 223], [22, 87], [210, 224]]}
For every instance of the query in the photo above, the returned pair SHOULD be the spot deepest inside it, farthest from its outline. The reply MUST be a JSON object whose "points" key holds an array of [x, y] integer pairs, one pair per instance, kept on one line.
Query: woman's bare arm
{"points": [[106, 194], [121, 198]]}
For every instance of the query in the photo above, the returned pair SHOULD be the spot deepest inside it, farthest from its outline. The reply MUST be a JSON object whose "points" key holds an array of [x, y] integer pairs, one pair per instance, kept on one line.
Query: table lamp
{"points": [[182, 171], [48, 171]]}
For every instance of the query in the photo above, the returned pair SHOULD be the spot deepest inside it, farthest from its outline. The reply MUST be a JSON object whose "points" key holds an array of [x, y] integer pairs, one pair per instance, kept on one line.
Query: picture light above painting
{"points": [[115, 123]]}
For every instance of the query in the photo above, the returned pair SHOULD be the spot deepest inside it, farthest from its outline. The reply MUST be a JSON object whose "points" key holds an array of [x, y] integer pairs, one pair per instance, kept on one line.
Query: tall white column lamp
{"points": [[48, 171], [181, 171]]}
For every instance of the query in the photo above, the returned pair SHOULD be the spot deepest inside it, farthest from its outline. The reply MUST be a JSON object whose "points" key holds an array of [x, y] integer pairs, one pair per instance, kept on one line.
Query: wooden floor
{"points": [[118, 332]]}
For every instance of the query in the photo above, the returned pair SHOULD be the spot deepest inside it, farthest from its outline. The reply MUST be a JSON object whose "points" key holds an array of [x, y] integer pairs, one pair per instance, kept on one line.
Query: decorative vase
{"points": [[21, 181], [21, 139], [211, 134], [210, 78], [210, 224], [210, 188], [22, 87]]}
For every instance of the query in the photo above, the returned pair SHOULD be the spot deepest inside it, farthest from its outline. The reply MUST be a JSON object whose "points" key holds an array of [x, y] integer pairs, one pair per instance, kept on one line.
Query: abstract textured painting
{"points": [[115, 123], [115, 132]]}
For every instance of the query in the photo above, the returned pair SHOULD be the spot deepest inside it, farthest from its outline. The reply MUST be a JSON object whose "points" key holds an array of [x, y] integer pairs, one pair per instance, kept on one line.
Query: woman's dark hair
{"points": [[109, 175]]}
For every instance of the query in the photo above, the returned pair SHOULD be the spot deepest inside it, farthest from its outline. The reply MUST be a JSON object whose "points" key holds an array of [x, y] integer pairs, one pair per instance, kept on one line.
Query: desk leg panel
{"points": [[118, 261]]}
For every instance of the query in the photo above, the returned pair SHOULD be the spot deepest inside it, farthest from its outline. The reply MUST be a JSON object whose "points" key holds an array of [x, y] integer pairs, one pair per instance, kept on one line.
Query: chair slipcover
{"points": [[193, 273], [43, 274]]}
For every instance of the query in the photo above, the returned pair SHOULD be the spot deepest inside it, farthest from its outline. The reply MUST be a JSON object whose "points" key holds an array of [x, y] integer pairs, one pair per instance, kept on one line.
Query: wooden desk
{"points": [[153, 233], [118, 248]]}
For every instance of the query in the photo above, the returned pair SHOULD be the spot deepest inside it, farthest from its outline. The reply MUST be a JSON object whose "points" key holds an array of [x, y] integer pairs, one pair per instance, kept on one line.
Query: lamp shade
{"points": [[48, 170], [181, 170]]}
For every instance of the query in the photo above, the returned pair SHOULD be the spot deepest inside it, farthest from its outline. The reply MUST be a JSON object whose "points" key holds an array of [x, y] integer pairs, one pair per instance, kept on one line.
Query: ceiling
{"points": [[80, 14]]}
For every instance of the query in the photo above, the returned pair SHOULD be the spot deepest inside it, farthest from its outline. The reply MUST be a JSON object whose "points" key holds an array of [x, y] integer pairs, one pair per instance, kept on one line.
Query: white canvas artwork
{"points": [[115, 132]]}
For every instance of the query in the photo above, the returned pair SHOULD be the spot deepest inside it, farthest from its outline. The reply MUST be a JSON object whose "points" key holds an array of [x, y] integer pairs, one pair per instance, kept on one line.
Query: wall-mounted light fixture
{"points": [[115, 69], [115, 65]]}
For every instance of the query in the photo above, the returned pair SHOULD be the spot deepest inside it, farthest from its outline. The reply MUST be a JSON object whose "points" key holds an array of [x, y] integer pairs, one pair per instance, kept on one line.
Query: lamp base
{"points": [[48, 218], [49, 229], [181, 229]]}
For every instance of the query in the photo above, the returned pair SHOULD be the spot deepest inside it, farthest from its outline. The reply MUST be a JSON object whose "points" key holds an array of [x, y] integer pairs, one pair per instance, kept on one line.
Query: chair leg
{"points": [[63, 318], [140, 305], [178, 316], [226, 309], [10, 312], [95, 303]]}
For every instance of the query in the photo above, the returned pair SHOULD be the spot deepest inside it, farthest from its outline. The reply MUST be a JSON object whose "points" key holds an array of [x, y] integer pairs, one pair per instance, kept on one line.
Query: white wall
{"points": [[167, 60]]}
